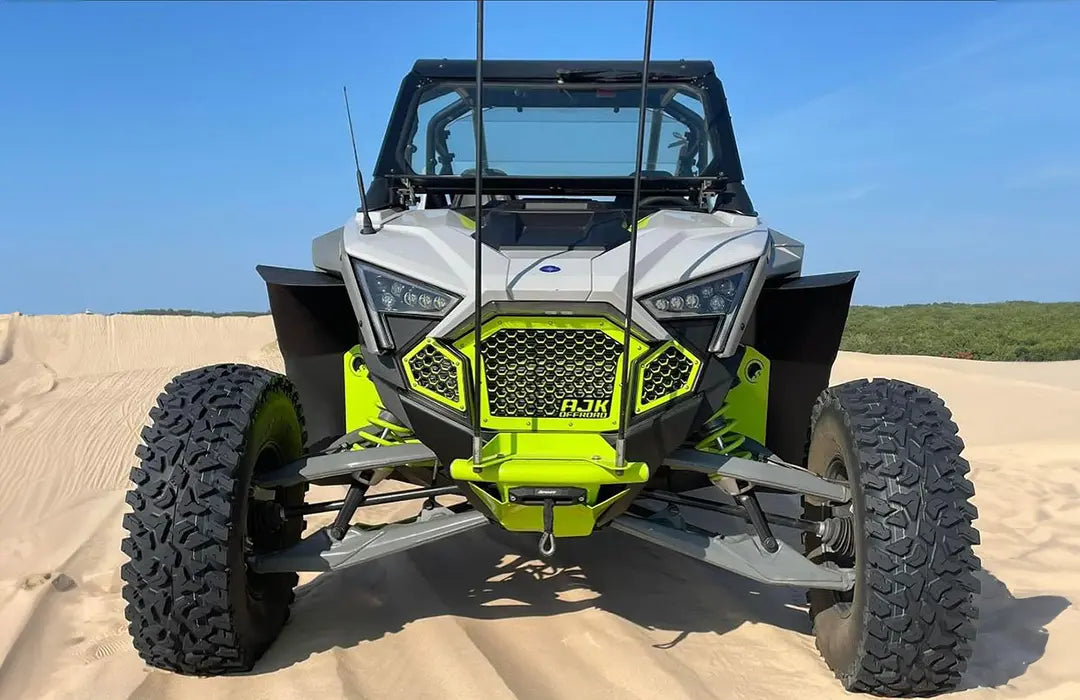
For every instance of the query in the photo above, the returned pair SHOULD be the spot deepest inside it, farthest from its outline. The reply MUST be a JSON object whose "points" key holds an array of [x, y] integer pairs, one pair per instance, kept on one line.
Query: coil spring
{"points": [[723, 436], [391, 434]]}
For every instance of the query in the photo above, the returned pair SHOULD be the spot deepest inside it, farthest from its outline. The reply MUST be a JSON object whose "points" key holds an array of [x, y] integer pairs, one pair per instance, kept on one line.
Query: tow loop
{"points": [[547, 539], [547, 544]]}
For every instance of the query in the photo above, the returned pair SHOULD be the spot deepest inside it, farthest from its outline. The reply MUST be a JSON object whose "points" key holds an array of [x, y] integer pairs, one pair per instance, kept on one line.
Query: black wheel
{"points": [[908, 625], [192, 604]]}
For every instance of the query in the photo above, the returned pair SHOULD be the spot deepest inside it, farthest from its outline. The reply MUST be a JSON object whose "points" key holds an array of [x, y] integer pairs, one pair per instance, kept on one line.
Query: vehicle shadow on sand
{"points": [[1011, 635], [492, 574]]}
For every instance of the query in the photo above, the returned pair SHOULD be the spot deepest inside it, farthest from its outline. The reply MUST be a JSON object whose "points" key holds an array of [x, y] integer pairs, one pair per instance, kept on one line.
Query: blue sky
{"points": [[152, 154]]}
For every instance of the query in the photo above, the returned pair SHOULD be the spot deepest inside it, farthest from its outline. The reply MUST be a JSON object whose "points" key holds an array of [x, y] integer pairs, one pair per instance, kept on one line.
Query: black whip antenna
{"points": [[620, 444], [366, 228], [478, 124]]}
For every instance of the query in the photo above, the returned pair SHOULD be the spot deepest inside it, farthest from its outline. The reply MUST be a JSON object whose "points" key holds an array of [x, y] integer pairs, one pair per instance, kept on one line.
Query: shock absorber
{"points": [[750, 504], [353, 500], [722, 436], [383, 431]]}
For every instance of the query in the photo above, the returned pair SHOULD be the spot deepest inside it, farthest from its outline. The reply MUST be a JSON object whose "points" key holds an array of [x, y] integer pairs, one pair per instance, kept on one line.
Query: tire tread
{"points": [[919, 619], [176, 579]]}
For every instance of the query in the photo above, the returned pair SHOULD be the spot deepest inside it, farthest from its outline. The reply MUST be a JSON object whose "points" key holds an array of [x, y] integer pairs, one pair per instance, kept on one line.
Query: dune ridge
{"points": [[481, 616]]}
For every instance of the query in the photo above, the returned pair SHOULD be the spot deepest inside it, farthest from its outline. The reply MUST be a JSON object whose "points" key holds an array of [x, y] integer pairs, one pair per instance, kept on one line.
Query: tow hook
{"points": [[547, 538], [548, 497]]}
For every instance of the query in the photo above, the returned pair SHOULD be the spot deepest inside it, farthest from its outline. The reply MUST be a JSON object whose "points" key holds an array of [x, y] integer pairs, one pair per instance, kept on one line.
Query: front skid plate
{"points": [[741, 554]]}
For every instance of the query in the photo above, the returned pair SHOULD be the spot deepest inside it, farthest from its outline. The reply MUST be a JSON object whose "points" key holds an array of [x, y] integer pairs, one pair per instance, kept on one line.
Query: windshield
{"points": [[559, 130]]}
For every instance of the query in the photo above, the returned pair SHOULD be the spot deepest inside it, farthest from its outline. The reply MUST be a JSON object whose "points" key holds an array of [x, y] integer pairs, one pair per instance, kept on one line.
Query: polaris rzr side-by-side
{"points": [[572, 336]]}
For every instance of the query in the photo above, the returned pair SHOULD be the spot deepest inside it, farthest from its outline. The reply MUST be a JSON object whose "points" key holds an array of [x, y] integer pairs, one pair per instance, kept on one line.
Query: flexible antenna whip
{"points": [[478, 123], [366, 228], [620, 444]]}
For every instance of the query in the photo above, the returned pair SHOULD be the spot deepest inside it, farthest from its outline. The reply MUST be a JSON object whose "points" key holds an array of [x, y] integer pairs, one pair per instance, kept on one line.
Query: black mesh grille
{"points": [[433, 371], [530, 372], [665, 374]]}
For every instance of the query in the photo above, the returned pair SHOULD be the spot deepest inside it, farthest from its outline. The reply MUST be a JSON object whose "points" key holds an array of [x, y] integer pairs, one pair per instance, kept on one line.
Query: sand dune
{"points": [[480, 616]]}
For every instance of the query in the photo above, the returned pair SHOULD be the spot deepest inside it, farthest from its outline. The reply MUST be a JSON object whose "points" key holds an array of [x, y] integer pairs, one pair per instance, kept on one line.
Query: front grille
{"points": [[435, 372], [533, 373], [665, 374]]}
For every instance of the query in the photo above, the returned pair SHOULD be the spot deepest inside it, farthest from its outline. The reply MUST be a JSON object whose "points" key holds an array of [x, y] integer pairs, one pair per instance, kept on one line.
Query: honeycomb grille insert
{"points": [[435, 372], [530, 373], [665, 374]]}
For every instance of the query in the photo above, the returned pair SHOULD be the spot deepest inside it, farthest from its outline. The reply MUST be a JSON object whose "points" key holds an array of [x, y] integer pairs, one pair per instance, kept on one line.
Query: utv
{"points": [[484, 342]]}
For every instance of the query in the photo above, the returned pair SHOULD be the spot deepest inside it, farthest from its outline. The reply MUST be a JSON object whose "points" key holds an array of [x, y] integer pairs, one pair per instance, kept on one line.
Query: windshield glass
{"points": [[559, 130]]}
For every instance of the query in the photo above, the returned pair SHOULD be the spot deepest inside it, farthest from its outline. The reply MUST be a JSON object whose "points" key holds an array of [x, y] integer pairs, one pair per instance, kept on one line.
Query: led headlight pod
{"points": [[387, 292], [712, 296]]}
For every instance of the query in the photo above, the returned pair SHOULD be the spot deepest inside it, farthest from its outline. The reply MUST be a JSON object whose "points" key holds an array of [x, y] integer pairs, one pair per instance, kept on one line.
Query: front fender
{"points": [[315, 327], [798, 324]]}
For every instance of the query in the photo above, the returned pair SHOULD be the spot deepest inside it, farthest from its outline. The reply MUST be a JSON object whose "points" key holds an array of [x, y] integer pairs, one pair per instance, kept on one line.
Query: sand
{"points": [[480, 616]]}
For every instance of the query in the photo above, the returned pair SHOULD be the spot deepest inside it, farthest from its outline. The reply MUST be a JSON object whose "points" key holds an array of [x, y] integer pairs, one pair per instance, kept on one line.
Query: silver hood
{"points": [[437, 247]]}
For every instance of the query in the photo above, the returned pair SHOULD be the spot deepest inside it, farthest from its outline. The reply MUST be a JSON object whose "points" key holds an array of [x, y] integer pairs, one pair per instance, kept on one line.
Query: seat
{"points": [[626, 201], [462, 201]]}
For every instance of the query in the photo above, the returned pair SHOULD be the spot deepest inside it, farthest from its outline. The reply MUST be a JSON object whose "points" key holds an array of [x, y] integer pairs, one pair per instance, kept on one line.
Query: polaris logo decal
{"points": [[585, 408]]}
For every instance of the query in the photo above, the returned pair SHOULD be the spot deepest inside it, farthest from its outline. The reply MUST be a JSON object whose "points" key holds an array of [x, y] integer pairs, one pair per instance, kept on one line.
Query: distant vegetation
{"points": [[192, 312], [1013, 330]]}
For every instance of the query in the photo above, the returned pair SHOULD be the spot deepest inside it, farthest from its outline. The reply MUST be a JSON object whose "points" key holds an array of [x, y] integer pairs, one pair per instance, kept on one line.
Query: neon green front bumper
{"points": [[583, 460]]}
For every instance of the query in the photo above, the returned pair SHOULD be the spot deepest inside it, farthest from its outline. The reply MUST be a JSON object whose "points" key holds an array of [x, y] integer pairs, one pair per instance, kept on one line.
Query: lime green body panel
{"points": [[745, 409], [568, 452], [686, 388], [584, 460], [459, 372], [568, 521], [593, 425], [467, 222], [748, 400], [581, 415], [362, 402]]}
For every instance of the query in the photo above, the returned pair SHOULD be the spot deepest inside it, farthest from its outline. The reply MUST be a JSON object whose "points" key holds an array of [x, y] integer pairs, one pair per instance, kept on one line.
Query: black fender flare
{"points": [[315, 326], [798, 325]]}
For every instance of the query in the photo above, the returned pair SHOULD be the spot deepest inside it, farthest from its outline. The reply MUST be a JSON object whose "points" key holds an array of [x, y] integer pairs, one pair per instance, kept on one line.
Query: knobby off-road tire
{"points": [[908, 626], [192, 604]]}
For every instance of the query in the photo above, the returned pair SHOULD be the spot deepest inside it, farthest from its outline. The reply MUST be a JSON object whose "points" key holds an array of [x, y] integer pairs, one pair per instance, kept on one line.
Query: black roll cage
{"points": [[396, 186]]}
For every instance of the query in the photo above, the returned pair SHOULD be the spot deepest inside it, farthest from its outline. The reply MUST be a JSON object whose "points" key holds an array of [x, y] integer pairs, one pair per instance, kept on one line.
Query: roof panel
{"points": [[456, 69]]}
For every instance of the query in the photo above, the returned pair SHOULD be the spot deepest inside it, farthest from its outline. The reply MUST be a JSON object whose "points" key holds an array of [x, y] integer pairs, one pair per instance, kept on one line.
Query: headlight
{"points": [[386, 292], [715, 295]]}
